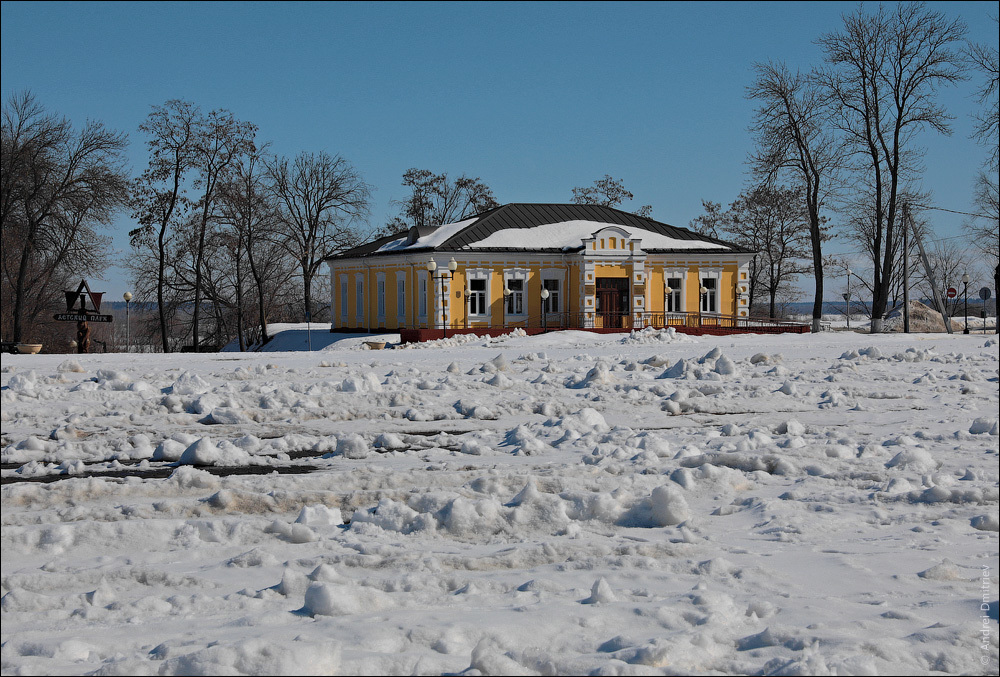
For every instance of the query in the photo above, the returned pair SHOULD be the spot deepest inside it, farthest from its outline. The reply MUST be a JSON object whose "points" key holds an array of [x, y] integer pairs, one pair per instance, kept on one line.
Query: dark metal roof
{"points": [[526, 216]]}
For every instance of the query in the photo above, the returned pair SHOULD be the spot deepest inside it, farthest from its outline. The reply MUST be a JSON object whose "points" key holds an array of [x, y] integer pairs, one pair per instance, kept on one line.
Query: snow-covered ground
{"points": [[570, 503]]}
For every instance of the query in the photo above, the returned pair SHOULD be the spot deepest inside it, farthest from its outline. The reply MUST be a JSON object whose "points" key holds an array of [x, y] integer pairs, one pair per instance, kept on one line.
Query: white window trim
{"points": [[676, 274], [559, 275], [401, 297], [711, 274], [521, 274], [478, 274], [423, 286], [359, 298], [380, 295], [345, 295]]}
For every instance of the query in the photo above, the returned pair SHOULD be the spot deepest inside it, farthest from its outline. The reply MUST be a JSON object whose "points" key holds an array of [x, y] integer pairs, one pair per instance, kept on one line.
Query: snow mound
{"points": [[923, 319]]}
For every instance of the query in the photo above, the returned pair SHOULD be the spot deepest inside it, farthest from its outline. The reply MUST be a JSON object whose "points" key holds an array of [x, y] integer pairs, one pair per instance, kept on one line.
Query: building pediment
{"points": [[612, 241]]}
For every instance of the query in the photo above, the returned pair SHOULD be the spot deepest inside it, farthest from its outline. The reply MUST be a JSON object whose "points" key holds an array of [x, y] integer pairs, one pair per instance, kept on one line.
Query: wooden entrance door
{"points": [[612, 301]]}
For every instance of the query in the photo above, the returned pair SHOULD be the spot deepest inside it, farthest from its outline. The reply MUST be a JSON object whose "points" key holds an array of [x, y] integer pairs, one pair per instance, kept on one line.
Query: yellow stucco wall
{"points": [[572, 290]]}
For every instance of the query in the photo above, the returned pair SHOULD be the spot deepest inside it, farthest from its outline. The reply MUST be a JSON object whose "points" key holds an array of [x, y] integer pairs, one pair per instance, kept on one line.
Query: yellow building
{"points": [[540, 266]]}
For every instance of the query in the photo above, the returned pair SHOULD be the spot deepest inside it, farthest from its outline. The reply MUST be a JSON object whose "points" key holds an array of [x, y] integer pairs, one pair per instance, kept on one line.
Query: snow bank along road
{"points": [[560, 504]]}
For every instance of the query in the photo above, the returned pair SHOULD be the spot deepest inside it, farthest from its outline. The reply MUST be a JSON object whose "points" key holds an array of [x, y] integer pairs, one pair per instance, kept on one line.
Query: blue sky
{"points": [[533, 98]]}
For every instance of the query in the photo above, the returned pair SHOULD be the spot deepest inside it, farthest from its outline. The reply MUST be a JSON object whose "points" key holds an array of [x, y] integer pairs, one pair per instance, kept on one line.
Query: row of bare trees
{"points": [[60, 186], [228, 236], [845, 137], [229, 229]]}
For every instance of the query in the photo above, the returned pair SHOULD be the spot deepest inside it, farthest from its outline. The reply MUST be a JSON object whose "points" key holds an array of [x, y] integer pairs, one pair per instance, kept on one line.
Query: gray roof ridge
{"points": [[514, 215]]}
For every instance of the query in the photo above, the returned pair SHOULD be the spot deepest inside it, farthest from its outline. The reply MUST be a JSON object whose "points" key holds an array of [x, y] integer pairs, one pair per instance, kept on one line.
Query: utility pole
{"points": [[906, 269]]}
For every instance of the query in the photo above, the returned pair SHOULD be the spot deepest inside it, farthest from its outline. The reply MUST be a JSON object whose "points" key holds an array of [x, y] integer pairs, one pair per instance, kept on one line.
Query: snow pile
{"points": [[565, 503], [922, 319]]}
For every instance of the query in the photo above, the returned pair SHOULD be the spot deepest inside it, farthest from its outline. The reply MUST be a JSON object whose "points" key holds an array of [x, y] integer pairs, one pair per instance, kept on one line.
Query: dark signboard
{"points": [[83, 317]]}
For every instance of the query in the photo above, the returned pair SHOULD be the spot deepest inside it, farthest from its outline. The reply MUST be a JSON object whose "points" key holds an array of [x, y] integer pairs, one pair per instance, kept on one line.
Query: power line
{"points": [[939, 239], [951, 211]]}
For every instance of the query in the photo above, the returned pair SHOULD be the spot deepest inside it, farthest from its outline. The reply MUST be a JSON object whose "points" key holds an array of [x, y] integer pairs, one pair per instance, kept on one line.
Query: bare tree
{"points": [[321, 201], [607, 192], [791, 126], [159, 202], [58, 185], [772, 221], [948, 262], [249, 212], [712, 221], [985, 60], [885, 71], [984, 229], [435, 199], [220, 141]]}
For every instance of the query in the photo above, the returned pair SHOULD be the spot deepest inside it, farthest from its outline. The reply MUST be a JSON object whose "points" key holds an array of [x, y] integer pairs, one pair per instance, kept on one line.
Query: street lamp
{"points": [[452, 267], [128, 338], [965, 281], [545, 310], [847, 298]]}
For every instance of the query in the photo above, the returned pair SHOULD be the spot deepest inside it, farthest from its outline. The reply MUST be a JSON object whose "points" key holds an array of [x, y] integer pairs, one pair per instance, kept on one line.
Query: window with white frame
{"points": [[343, 297], [710, 300], [672, 297], [552, 303], [422, 301], [401, 298], [477, 298], [515, 300], [359, 299], [515, 282], [380, 295]]}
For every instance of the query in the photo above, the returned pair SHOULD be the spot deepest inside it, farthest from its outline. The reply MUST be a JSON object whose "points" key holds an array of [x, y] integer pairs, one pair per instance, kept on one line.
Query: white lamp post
{"points": [[128, 337], [701, 302], [431, 268]]}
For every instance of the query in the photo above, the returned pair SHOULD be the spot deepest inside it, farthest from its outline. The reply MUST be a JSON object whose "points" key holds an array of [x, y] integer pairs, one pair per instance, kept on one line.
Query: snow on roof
{"points": [[435, 239], [570, 235]]}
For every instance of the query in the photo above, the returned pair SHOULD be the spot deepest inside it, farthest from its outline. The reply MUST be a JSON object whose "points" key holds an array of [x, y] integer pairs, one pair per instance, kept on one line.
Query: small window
{"points": [[515, 301], [423, 297], [710, 300], [401, 299], [359, 300], [343, 298], [381, 297], [551, 304], [673, 296], [477, 297]]}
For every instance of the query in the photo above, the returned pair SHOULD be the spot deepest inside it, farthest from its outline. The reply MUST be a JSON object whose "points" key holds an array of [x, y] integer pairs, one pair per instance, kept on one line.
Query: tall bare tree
{"points": [[772, 221], [791, 126], [159, 202], [607, 192], [985, 59], [884, 73], [322, 200], [985, 228], [249, 212], [435, 199], [220, 141], [58, 186]]}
